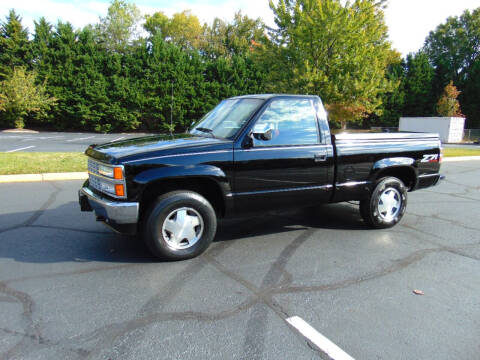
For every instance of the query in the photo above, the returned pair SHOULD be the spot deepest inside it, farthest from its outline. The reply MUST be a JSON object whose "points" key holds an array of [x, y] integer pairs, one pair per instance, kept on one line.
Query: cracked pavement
{"points": [[72, 289]]}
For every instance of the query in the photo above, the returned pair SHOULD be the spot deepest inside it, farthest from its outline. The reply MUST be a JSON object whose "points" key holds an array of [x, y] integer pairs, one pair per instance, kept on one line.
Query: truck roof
{"points": [[269, 96]]}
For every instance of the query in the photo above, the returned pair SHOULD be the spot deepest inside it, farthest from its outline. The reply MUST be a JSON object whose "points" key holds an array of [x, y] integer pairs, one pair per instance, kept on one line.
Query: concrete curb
{"points": [[43, 177], [460, 158], [20, 131]]}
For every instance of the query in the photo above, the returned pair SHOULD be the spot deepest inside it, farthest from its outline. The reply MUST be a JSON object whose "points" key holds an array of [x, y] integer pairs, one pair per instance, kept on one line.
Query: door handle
{"points": [[320, 156]]}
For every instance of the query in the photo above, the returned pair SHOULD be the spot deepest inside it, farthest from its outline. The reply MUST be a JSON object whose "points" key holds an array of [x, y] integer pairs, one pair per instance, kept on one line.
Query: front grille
{"points": [[93, 167], [94, 182]]}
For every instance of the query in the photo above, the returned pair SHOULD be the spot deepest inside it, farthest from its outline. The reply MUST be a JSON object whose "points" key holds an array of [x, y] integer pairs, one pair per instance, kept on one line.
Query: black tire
{"points": [[369, 208], [151, 226]]}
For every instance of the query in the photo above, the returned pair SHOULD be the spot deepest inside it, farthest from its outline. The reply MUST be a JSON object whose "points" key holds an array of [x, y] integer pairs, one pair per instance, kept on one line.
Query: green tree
{"points": [[20, 96], [183, 29], [119, 28], [14, 45], [393, 102], [239, 37], [150, 73], [448, 104], [454, 46], [157, 24], [454, 50], [471, 95], [335, 50], [41, 45], [126, 85], [72, 65], [419, 94]]}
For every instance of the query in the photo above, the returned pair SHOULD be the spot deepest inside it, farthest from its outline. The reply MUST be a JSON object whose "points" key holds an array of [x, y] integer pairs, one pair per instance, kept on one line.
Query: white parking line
{"points": [[49, 137], [120, 138], [15, 137], [84, 138], [325, 345], [24, 148]]}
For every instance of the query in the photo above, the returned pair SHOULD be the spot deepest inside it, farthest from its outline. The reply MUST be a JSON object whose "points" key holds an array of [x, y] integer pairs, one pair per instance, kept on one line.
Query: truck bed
{"points": [[357, 155]]}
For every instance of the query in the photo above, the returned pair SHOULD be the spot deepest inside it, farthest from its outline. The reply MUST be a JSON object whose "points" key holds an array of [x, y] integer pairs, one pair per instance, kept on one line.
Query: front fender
{"points": [[183, 172]]}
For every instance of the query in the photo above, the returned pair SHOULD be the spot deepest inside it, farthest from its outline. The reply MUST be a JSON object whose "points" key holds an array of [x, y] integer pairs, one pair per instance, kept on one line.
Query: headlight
{"points": [[111, 172], [105, 171], [112, 188], [109, 179], [107, 187]]}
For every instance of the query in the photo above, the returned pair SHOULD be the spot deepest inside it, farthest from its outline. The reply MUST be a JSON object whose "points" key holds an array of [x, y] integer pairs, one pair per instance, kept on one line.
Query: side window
{"points": [[290, 121]]}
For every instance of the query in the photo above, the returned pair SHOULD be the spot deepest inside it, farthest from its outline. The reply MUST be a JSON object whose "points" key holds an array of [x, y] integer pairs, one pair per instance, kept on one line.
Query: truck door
{"points": [[293, 166]]}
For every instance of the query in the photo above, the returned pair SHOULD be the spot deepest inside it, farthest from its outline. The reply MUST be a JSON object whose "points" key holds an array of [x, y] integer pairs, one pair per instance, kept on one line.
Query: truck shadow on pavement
{"points": [[341, 216], [65, 234]]}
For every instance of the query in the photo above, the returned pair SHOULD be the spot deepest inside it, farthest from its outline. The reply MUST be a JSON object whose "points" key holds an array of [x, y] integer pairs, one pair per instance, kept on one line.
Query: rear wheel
{"points": [[386, 205], [179, 225]]}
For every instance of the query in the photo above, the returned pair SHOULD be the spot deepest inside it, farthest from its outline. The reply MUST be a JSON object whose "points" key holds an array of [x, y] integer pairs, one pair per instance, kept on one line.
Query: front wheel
{"points": [[179, 225], [386, 205]]}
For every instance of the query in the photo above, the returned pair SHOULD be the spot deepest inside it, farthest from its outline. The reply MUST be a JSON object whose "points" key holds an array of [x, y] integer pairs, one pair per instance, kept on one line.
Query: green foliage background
{"points": [[117, 76], [113, 83], [451, 53]]}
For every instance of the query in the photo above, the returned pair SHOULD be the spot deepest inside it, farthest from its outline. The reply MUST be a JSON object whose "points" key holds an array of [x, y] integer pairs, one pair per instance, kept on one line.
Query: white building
{"points": [[450, 129]]}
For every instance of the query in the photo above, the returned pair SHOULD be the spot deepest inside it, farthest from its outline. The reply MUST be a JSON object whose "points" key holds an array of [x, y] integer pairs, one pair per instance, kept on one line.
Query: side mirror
{"points": [[263, 132]]}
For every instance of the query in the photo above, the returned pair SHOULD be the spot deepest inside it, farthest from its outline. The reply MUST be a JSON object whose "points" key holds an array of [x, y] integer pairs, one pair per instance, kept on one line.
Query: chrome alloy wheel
{"points": [[389, 204], [182, 228]]}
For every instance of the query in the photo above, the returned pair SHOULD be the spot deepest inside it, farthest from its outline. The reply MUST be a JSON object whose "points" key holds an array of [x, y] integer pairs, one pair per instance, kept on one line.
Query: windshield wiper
{"points": [[205, 130]]}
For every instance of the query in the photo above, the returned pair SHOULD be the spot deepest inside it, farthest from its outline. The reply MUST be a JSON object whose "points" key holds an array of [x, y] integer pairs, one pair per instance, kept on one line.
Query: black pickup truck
{"points": [[251, 154]]}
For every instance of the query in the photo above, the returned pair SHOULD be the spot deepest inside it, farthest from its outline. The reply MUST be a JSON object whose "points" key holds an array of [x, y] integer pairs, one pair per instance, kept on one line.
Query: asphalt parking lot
{"points": [[56, 141], [71, 289]]}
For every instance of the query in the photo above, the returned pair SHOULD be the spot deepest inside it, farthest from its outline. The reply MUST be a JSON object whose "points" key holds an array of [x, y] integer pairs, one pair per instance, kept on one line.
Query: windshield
{"points": [[227, 118]]}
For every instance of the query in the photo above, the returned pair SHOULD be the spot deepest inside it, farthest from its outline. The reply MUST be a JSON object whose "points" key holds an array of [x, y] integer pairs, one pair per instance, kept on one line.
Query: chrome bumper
{"points": [[116, 211]]}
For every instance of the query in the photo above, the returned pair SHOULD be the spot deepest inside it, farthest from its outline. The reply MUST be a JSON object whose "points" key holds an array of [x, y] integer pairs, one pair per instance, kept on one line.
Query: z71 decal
{"points": [[430, 158]]}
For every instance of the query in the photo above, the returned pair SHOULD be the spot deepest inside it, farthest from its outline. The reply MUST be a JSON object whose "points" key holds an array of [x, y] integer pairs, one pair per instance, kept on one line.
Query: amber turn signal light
{"points": [[117, 173], [119, 190]]}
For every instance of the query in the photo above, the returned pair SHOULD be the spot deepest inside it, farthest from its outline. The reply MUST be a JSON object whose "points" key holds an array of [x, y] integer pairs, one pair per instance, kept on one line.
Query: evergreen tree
{"points": [[419, 95], [14, 45], [115, 87], [393, 102], [41, 46], [471, 95]]}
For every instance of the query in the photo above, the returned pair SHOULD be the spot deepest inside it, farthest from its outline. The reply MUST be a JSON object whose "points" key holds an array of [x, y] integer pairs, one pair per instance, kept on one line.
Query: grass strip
{"points": [[453, 152], [41, 162]]}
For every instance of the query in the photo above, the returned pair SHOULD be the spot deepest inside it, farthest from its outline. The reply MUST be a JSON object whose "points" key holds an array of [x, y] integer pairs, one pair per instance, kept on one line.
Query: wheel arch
{"points": [[401, 168], [206, 180], [205, 186]]}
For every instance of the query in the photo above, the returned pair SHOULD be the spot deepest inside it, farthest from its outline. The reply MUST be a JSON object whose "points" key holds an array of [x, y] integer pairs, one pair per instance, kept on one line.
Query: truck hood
{"points": [[156, 145]]}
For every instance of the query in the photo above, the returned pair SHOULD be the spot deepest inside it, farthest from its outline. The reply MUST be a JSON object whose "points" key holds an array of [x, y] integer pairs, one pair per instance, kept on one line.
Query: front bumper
{"points": [[112, 212]]}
